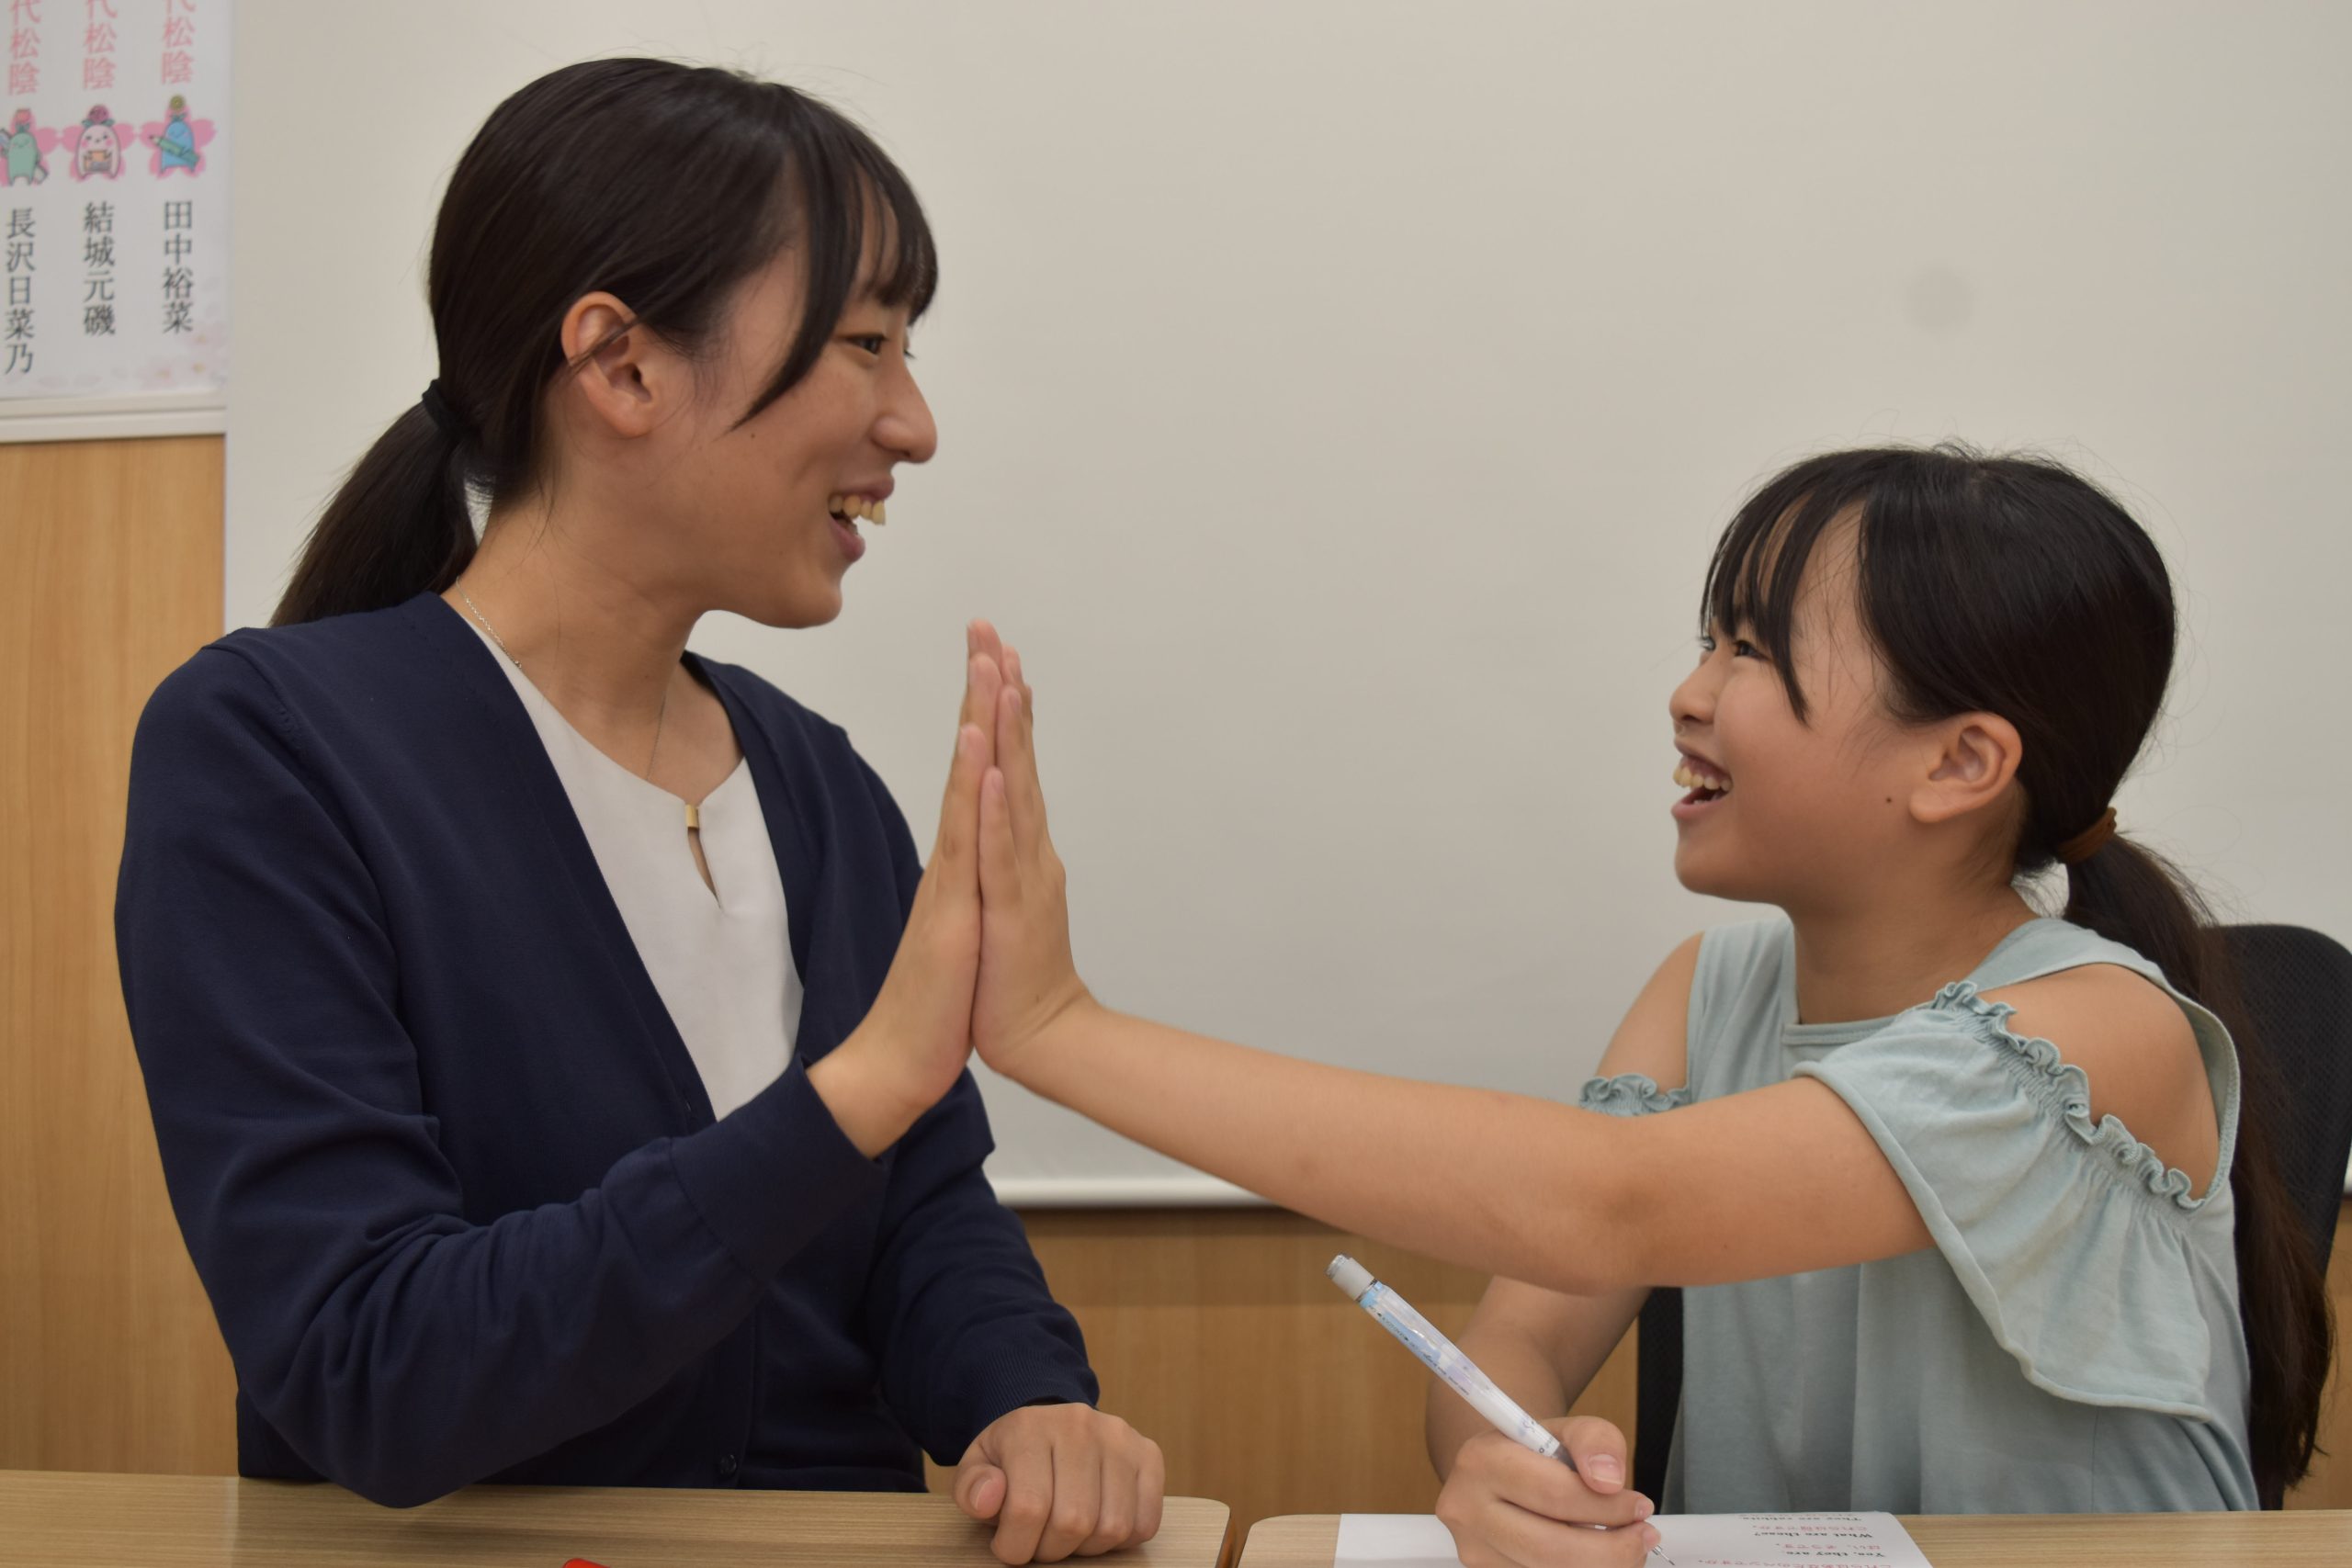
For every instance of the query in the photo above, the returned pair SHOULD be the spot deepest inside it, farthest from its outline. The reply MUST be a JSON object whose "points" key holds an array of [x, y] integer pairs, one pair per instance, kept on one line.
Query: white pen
{"points": [[1439, 1354]]}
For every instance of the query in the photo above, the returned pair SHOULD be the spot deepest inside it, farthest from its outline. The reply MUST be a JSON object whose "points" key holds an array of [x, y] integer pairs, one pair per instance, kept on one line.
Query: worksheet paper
{"points": [[1688, 1541]]}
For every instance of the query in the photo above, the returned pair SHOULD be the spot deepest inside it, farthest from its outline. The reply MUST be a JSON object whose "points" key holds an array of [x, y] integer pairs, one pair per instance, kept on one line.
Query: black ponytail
{"points": [[2012, 585], [665, 185], [2129, 893], [398, 527]]}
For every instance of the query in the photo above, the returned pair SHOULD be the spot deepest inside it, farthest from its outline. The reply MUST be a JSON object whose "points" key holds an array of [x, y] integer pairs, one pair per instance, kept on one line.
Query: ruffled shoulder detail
{"points": [[2089, 1259], [2066, 1089], [1630, 1094]]}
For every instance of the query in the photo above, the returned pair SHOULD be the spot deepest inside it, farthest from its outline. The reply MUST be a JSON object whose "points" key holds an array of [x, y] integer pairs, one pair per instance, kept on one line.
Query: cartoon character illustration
{"points": [[96, 145], [26, 145], [178, 140]]}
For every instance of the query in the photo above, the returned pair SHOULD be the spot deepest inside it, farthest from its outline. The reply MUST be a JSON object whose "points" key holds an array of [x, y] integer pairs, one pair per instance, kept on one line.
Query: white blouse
{"points": [[720, 956]]}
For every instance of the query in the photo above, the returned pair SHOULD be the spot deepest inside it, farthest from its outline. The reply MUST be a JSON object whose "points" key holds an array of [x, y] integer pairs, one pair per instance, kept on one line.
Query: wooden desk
{"points": [[1993, 1540], [56, 1519]]}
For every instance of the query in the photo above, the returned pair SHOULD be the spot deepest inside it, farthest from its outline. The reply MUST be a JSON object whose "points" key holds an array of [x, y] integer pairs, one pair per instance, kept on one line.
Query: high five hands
{"points": [[985, 964], [985, 961], [1027, 982]]}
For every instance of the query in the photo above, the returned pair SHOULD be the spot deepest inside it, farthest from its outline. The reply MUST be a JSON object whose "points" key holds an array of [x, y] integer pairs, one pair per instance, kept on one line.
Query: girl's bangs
{"points": [[1758, 564]]}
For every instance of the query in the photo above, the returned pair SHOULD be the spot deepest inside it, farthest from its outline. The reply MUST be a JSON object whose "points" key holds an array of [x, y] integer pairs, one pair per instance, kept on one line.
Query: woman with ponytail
{"points": [[1971, 1205], [554, 1042]]}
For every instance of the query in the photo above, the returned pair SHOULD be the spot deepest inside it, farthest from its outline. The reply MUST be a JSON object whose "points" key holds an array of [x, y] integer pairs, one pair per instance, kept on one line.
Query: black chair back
{"points": [[2297, 987], [1657, 1389]]}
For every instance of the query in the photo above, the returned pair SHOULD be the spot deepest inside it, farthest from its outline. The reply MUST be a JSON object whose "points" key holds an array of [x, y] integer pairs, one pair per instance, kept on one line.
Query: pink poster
{"points": [[115, 203]]}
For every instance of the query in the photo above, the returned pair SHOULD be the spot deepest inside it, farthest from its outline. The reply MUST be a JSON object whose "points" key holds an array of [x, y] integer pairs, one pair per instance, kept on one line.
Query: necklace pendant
{"points": [[693, 818]]}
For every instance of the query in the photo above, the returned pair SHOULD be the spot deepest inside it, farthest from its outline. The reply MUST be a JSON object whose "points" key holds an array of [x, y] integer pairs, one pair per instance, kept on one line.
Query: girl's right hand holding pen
{"points": [[1510, 1508]]}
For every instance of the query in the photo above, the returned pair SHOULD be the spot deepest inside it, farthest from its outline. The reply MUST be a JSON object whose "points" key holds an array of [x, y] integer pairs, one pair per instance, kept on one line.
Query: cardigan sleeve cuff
{"points": [[773, 1173], [1015, 1370], [1058, 1383]]}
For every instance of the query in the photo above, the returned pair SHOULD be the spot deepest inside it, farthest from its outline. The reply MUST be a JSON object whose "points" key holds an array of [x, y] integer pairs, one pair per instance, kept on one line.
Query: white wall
{"points": [[1339, 401]]}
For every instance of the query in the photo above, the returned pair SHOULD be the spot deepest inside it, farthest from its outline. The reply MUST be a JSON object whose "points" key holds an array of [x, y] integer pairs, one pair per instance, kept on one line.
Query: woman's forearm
{"points": [[1499, 1182], [864, 1085]]}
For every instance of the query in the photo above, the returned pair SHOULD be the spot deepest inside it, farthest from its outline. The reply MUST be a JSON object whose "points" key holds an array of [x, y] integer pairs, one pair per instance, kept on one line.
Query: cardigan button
{"points": [[727, 1467]]}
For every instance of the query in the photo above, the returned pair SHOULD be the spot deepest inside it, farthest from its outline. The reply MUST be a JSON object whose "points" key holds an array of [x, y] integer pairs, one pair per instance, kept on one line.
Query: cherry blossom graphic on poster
{"points": [[94, 149], [178, 142], [30, 145]]}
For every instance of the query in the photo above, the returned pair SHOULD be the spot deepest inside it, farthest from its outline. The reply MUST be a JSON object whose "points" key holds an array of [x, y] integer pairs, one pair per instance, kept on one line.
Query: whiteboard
{"points": [[1337, 403]]}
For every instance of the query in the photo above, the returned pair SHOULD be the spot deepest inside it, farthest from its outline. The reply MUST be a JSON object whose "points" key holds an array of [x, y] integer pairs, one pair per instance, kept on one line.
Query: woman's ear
{"points": [[1975, 759], [624, 379]]}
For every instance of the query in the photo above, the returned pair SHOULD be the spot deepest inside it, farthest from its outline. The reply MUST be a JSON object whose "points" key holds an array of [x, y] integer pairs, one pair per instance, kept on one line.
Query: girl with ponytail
{"points": [[1971, 1205], [526, 1004]]}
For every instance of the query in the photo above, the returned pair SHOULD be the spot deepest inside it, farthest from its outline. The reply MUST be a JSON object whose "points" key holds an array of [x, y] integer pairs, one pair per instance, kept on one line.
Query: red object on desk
{"points": [[583, 1563]]}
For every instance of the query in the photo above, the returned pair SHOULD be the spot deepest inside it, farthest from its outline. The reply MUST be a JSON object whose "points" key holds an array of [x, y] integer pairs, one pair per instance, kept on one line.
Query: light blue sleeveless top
{"points": [[2071, 1342]]}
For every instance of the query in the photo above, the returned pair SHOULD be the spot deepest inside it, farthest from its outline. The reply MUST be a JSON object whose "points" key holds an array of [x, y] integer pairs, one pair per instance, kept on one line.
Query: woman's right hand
{"points": [[914, 1041], [1510, 1508]]}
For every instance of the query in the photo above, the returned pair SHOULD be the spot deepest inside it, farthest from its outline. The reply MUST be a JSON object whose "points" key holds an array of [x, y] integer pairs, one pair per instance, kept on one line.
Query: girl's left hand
{"points": [[1027, 979], [1510, 1508], [1062, 1480]]}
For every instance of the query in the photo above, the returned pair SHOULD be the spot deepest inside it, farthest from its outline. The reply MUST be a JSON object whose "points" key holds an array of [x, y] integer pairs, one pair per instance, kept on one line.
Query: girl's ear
{"points": [[1975, 761]]}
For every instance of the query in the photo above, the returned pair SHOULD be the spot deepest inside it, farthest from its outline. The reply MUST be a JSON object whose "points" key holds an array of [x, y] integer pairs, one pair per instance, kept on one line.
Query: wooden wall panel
{"points": [[109, 1356]]}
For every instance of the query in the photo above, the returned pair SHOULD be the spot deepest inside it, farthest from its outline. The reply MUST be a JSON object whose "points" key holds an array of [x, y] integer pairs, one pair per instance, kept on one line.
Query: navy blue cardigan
{"points": [[444, 1163]]}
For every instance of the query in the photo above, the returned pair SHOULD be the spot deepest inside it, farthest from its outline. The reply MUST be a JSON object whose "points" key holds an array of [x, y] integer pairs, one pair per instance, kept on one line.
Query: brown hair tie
{"points": [[2089, 841]]}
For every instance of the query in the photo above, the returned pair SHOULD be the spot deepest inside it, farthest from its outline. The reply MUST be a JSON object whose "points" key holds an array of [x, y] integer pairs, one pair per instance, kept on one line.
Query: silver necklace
{"points": [[659, 714]]}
